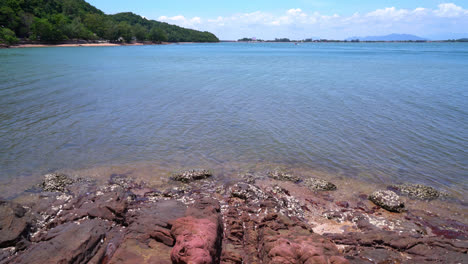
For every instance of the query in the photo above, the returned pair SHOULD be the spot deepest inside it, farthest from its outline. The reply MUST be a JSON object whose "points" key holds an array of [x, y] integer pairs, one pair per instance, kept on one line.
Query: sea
{"points": [[377, 113]]}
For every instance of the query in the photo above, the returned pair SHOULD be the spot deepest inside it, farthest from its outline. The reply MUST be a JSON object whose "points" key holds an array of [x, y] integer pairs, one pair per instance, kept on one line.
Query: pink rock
{"points": [[198, 235]]}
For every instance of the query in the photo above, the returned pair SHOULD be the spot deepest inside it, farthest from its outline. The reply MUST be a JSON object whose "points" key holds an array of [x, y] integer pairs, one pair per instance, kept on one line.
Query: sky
{"points": [[300, 19]]}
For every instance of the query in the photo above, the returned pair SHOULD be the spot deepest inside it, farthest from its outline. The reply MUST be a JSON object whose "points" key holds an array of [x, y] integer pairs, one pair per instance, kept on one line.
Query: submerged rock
{"points": [[56, 182], [319, 184], [388, 200], [280, 175], [417, 191], [192, 175]]}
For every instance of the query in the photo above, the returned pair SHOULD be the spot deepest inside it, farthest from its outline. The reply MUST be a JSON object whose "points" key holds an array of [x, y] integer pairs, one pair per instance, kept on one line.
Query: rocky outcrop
{"points": [[283, 240], [56, 182], [73, 242], [384, 246], [388, 200], [316, 184], [15, 223], [418, 191], [280, 175], [191, 175], [206, 222], [199, 234]]}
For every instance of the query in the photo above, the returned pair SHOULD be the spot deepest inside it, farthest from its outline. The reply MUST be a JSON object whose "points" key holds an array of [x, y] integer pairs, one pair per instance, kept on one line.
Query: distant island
{"points": [[58, 21], [390, 37], [386, 38]]}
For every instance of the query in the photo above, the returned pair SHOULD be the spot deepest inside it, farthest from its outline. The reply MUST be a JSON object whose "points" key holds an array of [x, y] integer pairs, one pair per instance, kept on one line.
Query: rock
{"points": [[282, 240], [417, 191], [343, 204], [246, 192], [125, 222], [14, 223], [399, 247], [154, 220], [198, 235], [75, 242], [109, 205], [319, 185], [123, 181], [249, 178], [192, 175], [280, 175], [56, 182], [388, 200]]}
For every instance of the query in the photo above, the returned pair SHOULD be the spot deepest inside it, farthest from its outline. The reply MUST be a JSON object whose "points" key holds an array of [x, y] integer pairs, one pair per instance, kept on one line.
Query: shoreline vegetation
{"points": [[50, 22]]}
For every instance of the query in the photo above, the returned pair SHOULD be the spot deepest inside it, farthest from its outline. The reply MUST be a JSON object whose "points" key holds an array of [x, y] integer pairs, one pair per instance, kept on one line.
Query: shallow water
{"points": [[381, 112]]}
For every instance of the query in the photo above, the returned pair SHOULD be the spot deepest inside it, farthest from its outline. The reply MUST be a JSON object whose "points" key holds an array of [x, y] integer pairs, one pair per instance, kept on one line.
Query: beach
{"points": [[83, 45]]}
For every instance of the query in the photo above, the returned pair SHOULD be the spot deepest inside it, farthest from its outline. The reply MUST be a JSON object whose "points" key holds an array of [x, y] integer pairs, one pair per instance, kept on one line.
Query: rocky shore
{"points": [[272, 217]]}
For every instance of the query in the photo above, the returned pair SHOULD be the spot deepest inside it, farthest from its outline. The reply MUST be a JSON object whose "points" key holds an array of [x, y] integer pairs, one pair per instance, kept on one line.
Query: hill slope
{"points": [[58, 20]]}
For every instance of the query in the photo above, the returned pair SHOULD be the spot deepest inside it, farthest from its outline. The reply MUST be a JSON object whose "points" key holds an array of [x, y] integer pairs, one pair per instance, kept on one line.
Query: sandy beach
{"points": [[84, 45]]}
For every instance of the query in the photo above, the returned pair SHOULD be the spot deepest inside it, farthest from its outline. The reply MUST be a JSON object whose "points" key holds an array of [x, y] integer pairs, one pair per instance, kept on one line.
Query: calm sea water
{"points": [[382, 112]]}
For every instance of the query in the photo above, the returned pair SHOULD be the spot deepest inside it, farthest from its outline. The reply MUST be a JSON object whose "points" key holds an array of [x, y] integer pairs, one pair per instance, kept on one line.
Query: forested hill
{"points": [[59, 20]]}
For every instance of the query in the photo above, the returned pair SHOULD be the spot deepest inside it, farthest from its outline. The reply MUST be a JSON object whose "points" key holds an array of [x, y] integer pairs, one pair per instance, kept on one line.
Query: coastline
{"points": [[155, 213], [107, 44]]}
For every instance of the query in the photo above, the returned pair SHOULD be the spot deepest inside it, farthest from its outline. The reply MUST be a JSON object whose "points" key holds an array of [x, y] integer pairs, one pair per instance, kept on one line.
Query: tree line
{"points": [[59, 20]]}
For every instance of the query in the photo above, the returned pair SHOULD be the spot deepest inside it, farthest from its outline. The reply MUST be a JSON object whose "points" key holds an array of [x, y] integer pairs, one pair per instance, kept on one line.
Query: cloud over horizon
{"points": [[296, 23]]}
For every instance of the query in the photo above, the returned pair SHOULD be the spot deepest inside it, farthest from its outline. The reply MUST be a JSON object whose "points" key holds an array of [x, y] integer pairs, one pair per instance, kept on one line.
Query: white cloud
{"points": [[450, 10], [297, 23], [294, 12], [388, 13]]}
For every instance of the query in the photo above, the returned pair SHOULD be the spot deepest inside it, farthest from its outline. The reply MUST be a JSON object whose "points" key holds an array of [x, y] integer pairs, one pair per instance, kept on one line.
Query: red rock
{"points": [[14, 223], [283, 240], [342, 204], [67, 243], [198, 235]]}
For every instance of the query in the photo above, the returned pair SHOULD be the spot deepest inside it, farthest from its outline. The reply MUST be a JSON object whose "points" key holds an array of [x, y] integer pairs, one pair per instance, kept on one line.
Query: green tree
{"points": [[8, 36], [27, 19], [76, 30], [43, 29], [157, 35], [8, 17], [98, 24], [125, 31], [59, 23], [140, 32], [55, 20]]}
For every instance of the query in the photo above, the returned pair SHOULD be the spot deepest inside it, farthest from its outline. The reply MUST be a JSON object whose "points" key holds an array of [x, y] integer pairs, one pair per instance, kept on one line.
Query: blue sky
{"points": [[298, 19]]}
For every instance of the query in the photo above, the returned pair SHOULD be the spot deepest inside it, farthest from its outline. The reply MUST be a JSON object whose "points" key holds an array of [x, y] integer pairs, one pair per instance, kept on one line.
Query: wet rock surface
{"points": [[245, 221], [418, 191], [191, 175], [319, 184], [56, 182], [388, 200], [280, 175]]}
